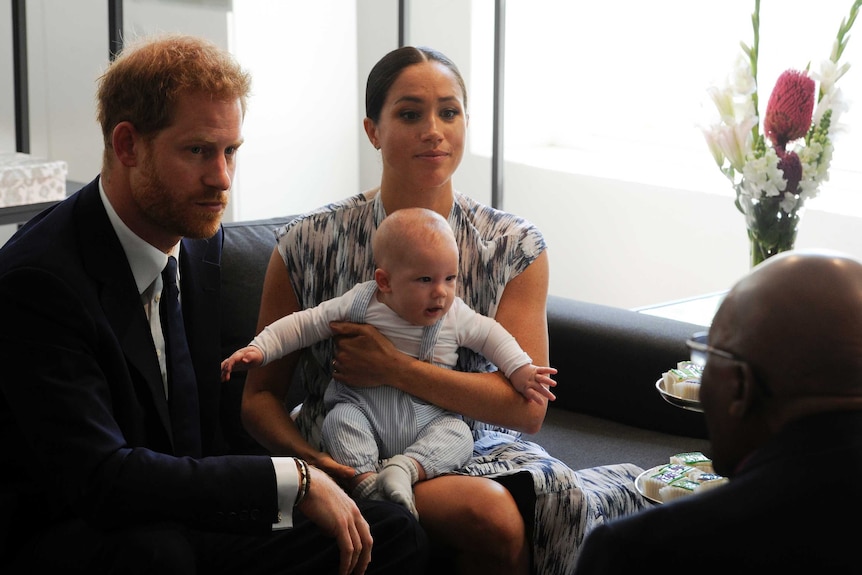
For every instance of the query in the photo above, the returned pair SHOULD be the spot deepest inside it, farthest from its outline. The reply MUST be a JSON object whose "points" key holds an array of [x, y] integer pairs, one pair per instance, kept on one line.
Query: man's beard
{"points": [[159, 204]]}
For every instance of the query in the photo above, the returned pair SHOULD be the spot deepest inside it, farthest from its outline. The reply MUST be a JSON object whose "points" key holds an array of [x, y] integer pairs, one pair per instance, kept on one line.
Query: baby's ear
{"points": [[382, 279]]}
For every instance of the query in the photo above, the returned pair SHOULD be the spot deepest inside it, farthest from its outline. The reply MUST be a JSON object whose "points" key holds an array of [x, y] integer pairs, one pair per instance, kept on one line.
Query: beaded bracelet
{"points": [[304, 480]]}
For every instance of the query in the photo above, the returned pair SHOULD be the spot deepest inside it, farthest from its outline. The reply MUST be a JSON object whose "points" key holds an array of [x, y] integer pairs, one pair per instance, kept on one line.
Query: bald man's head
{"points": [[798, 319], [794, 325]]}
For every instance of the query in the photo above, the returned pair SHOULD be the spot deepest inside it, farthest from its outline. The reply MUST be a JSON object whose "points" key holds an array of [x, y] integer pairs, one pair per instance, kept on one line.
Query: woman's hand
{"points": [[363, 357], [341, 473]]}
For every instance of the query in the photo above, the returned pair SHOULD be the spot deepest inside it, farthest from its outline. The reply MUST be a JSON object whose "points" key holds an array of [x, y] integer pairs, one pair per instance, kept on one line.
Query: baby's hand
{"points": [[533, 382], [241, 360]]}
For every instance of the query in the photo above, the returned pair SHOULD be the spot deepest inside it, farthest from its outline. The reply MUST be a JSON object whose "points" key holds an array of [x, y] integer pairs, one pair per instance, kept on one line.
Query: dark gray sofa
{"points": [[607, 408]]}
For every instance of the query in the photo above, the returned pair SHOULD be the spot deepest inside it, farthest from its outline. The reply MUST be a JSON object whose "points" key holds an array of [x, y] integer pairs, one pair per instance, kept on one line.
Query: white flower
{"points": [[833, 100], [723, 100], [733, 100], [762, 176], [815, 159], [830, 73], [736, 142], [729, 143], [788, 203], [741, 80], [712, 136]]}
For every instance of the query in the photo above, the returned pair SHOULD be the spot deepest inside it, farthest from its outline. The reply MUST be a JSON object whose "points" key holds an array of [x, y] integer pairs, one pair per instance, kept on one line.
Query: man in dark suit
{"points": [[782, 396], [111, 461]]}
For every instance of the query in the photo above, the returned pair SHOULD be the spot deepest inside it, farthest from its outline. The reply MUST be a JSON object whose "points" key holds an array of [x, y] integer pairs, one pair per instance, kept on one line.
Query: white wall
{"points": [[377, 33], [302, 127], [7, 103], [64, 60], [614, 242], [633, 244], [301, 130]]}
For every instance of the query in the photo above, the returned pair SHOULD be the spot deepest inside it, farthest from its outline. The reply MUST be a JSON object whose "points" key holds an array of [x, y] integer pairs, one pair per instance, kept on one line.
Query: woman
{"points": [[513, 504]]}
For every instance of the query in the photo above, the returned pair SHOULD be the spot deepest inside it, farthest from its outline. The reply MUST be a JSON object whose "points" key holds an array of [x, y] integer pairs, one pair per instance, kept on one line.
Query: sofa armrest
{"points": [[609, 359]]}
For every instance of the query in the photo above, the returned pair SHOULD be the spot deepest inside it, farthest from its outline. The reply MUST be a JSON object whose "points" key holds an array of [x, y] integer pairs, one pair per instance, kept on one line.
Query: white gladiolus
{"points": [[741, 81], [830, 73], [723, 100], [736, 142]]}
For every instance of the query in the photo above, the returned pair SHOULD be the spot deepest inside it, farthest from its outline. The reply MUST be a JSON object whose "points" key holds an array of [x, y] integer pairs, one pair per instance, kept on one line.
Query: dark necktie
{"points": [[182, 384]]}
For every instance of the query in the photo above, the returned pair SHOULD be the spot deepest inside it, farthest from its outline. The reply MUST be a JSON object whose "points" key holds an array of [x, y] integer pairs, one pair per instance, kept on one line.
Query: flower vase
{"points": [[771, 230]]}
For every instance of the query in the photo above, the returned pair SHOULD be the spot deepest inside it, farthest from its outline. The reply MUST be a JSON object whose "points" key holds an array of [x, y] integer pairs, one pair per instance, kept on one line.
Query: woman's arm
{"points": [[366, 358], [263, 411]]}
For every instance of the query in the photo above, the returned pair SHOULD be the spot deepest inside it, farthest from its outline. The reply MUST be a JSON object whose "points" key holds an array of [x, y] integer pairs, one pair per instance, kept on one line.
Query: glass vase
{"points": [[771, 230]]}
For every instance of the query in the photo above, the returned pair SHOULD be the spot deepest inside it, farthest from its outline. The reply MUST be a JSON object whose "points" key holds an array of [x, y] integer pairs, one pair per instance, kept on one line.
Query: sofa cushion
{"points": [[247, 248], [583, 441]]}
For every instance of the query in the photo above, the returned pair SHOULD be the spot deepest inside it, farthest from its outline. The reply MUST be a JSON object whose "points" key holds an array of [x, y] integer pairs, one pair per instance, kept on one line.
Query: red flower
{"points": [[788, 113], [791, 165]]}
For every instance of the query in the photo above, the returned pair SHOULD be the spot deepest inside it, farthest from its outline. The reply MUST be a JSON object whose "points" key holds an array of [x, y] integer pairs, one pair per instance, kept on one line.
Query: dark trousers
{"points": [[400, 547]]}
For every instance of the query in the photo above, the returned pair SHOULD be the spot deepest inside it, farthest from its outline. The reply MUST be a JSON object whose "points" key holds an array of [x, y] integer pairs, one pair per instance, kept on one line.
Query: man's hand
{"points": [[330, 508]]}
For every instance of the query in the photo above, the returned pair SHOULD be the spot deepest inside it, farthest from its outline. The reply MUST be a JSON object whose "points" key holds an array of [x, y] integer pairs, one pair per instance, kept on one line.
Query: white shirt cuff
{"points": [[287, 488]]}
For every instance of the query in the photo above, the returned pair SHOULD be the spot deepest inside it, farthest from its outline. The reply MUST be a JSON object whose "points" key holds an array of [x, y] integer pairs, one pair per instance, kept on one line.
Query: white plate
{"points": [[676, 400], [639, 482]]}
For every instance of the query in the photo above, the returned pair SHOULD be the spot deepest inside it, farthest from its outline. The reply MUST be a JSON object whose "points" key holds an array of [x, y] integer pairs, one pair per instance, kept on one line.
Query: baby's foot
{"points": [[367, 489], [395, 481]]}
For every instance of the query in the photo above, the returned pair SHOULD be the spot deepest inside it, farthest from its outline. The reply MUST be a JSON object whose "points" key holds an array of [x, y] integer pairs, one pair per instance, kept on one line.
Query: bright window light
{"points": [[619, 89]]}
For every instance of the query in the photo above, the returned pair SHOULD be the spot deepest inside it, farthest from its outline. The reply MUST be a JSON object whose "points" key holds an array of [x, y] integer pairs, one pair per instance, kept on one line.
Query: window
{"points": [[619, 88]]}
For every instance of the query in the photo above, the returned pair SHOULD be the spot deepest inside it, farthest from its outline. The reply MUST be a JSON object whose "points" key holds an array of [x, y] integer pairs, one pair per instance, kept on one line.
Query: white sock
{"points": [[395, 481], [367, 489]]}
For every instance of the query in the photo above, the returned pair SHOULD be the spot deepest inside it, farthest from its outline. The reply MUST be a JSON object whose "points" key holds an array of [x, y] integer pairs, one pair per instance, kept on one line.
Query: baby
{"points": [[393, 439]]}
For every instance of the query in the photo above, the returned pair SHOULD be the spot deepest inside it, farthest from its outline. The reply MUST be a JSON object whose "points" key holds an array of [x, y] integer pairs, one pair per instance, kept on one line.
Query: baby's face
{"points": [[423, 287]]}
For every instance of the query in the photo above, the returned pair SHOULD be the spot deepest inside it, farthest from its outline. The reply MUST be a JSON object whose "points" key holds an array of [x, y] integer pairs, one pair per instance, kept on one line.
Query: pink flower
{"points": [[788, 113]]}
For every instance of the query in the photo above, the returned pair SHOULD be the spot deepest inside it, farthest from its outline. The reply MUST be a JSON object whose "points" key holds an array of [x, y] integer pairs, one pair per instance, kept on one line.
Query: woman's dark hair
{"points": [[387, 70]]}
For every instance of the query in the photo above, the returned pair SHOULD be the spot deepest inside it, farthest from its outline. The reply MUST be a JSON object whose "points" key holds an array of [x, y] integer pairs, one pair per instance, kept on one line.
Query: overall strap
{"points": [[429, 340], [360, 304], [429, 332]]}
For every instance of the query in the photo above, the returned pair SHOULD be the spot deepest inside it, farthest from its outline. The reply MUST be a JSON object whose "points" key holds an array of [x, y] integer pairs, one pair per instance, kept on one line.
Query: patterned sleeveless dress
{"points": [[328, 251]]}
